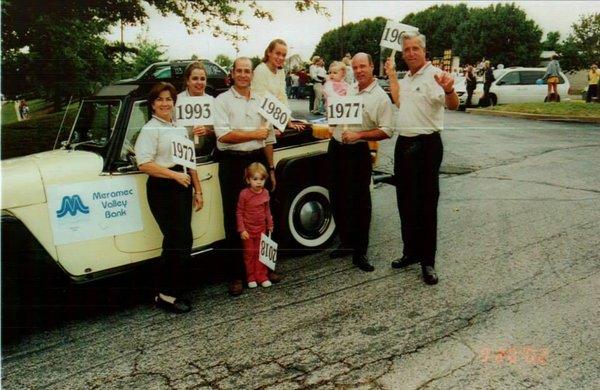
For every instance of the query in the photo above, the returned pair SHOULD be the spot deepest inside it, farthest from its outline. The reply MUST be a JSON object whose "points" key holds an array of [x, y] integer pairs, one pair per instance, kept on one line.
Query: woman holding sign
{"points": [[169, 191], [194, 81]]}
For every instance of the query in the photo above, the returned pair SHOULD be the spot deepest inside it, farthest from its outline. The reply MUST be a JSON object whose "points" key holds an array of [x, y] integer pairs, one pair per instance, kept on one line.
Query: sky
{"points": [[302, 31]]}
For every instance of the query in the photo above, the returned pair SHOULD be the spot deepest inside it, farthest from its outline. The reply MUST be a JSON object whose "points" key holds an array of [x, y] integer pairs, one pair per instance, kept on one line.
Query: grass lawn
{"points": [[577, 108], [36, 134], [9, 115]]}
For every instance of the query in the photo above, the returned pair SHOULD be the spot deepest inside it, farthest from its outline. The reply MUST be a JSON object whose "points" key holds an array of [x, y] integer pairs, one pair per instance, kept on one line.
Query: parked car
{"points": [[172, 71], [515, 85], [49, 230]]}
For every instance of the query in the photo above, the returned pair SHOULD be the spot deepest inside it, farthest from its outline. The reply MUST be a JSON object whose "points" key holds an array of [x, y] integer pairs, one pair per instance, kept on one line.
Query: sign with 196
{"points": [[275, 112], [268, 251], [183, 152], [392, 34], [194, 111], [345, 110]]}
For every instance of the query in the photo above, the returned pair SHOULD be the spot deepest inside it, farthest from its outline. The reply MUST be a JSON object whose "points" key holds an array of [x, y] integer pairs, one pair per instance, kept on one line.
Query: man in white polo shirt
{"points": [[351, 164], [241, 139], [421, 97]]}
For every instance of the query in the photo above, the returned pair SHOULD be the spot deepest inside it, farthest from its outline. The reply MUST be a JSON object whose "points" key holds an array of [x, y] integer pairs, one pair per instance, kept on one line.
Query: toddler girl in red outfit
{"points": [[253, 218]]}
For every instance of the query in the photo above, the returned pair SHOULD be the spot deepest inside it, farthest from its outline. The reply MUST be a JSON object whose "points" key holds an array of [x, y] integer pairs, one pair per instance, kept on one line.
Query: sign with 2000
{"points": [[345, 110], [392, 34], [183, 152], [275, 112], [194, 111]]}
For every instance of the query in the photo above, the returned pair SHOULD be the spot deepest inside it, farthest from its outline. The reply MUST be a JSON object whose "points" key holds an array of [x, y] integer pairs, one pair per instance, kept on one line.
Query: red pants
{"points": [[255, 270]]}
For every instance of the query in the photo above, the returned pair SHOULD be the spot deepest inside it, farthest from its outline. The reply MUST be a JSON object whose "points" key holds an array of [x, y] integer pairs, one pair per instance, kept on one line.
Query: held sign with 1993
{"points": [[183, 152], [345, 110], [268, 251], [194, 111], [275, 112], [392, 34]]}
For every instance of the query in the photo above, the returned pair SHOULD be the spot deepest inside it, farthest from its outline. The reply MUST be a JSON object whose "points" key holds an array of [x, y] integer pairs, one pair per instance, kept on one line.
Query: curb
{"points": [[541, 117]]}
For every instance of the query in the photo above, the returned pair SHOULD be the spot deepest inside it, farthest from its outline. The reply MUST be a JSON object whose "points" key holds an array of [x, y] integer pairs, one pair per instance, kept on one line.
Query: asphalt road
{"points": [[516, 306]]}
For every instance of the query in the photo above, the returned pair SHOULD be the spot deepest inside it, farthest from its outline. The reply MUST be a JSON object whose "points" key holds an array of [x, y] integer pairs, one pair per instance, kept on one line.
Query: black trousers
{"points": [[592, 92], [469, 97], [232, 167], [350, 194], [417, 163], [171, 205]]}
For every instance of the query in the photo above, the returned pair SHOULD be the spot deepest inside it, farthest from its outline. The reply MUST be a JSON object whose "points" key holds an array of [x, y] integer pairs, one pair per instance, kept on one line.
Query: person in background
{"points": [[471, 82], [171, 190], [295, 84], [349, 73], [421, 97], [254, 219], [551, 77], [318, 77], [194, 81], [593, 81], [488, 79]]}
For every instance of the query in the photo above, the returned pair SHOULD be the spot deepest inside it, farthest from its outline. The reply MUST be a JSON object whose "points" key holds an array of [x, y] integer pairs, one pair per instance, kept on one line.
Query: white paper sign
{"points": [[268, 251], [392, 35], [183, 152], [94, 209], [275, 112], [345, 110], [194, 111]]}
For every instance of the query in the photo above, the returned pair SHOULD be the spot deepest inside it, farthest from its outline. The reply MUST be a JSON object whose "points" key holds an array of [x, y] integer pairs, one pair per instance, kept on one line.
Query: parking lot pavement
{"points": [[516, 306]]}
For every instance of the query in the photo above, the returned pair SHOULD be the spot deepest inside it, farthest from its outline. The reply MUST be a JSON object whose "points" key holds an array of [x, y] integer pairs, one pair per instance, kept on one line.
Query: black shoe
{"points": [[429, 275], [363, 263], [404, 261], [339, 252], [179, 306]]}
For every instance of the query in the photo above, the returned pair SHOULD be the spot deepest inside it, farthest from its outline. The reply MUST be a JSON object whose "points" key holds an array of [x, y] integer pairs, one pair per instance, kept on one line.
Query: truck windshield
{"points": [[95, 122]]}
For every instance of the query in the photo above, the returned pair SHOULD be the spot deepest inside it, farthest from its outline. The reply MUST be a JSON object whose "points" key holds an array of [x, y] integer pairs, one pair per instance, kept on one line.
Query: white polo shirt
{"points": [[234, 112], [422, 102], [154, 142], [378, 113], [266, 81]]}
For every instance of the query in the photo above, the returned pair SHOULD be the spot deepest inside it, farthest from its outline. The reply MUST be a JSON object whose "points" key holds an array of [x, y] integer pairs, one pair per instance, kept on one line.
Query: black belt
{"points": [[242, 152], [178, 168]]}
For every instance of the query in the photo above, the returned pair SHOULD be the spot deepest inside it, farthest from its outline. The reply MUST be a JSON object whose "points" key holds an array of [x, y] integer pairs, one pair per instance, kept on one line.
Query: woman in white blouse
{"points": [[169, 193], [194, 82]]}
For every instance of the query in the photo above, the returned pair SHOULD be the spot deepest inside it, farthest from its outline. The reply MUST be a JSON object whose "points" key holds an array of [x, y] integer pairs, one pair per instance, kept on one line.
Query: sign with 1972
{"points": [[194, 111], [345, 110], [392, 34], [275, 112], [183, 152]]}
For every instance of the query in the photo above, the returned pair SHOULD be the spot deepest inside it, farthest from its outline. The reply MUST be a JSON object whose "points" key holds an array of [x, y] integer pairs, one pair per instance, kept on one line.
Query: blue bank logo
{"points": [[72, 204]]}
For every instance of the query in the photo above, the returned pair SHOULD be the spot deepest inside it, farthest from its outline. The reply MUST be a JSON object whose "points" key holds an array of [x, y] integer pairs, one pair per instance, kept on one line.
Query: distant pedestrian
{"points": [[295, 84], [24, 109], [349, 72], [253, 219], [488, 79], [471, 81], [318, 77], [593, 81], [552, 77]]}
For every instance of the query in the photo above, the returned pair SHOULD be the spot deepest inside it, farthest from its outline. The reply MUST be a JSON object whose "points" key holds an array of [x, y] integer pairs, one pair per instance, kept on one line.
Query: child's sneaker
{"points": [[252, 284], [266, 283]]}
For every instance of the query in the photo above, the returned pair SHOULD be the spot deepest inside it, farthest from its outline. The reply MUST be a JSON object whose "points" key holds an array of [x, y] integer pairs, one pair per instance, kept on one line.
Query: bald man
{"points": [[350, 161]]}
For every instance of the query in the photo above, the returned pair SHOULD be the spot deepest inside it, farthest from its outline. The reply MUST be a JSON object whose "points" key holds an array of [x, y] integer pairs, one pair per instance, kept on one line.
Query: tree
{"points": [[551, 42], [585, 40], [256, 60], [501, 33], [438, 23], [363, 36], [223, 60], [65, 46], [148, 52]]}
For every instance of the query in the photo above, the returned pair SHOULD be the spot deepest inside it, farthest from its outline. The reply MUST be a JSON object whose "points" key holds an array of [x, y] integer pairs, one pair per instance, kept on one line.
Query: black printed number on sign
{"points": [[344, 110], [182, 151], [193, 111], [271, 108]]}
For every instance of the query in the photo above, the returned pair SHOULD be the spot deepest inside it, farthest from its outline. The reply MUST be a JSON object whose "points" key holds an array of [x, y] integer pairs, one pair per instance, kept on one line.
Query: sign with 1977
{"points": [[275, 112], [345, 110], [183, 152], [94, 209], [194, 111], [392, 34]]}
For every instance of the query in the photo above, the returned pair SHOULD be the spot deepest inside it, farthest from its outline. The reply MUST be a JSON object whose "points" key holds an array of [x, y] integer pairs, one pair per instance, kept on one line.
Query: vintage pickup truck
{"points": [[80, 211]]}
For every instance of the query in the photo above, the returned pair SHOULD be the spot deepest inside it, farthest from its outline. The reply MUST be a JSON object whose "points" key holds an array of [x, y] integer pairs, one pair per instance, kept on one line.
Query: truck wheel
{"points": [[307, 217]]}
